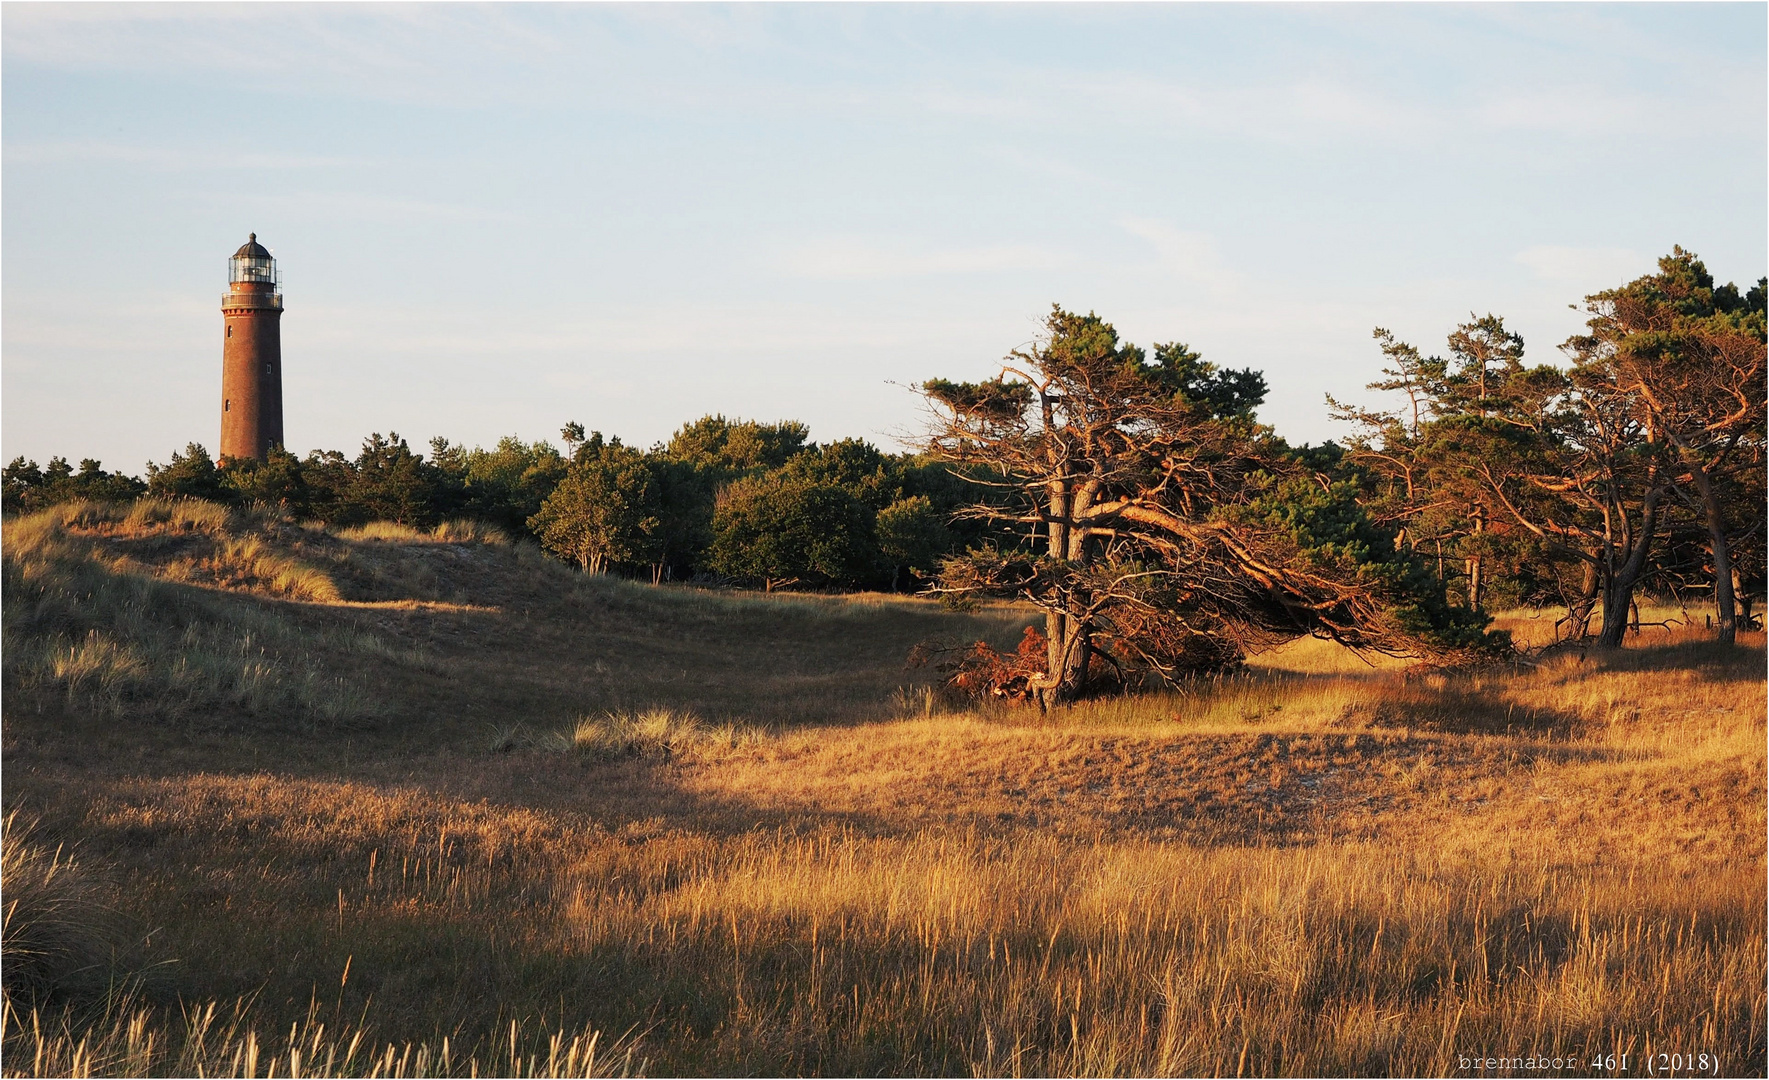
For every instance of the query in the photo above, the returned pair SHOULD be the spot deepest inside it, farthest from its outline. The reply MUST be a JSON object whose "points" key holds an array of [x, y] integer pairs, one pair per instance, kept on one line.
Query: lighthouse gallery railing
{"points": [[252, 300]]}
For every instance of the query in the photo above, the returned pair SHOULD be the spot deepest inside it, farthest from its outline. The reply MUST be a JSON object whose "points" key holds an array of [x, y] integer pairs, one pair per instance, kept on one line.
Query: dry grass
{"points": [[122, 1040], [716, 834], [655, 733], [56, 934], [468, 531], [148, 612]]}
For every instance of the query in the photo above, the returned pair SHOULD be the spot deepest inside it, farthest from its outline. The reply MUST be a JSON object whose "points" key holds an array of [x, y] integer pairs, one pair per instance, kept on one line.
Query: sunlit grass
{"points": [[495, 815]]}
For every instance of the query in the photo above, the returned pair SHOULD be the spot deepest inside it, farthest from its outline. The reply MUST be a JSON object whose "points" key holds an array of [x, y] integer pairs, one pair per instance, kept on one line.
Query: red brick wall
{"points": [[251, 380]]}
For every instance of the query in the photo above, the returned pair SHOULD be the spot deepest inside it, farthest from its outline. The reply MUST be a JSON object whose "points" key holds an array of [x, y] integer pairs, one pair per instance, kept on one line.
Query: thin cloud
{"points": [[841, 258], [364, 207], [169, 159], [1190, 256], [1587, 267]]}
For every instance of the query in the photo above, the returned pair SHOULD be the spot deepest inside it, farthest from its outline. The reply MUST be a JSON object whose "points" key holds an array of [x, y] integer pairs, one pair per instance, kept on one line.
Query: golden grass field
{"points": [[283, 800]]}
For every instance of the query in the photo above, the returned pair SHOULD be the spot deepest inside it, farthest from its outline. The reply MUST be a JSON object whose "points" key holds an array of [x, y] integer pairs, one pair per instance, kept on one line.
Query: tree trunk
{"points": [[1079, 659], [1618, 592], [1068, 651], [1476, 569], [1064, 636], [1578, 613], [1618, 597], [1725, 603]]}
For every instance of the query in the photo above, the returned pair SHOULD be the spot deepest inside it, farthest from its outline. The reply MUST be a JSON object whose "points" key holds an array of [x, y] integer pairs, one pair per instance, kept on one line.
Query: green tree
{"points": [[604, 513], [726, 449], [1153, 514], [19, 484], [1686, 359], [191, 474], [912, 536], [685, 502], [277, 481], [390, 483], [505, 484], [699, 460], [28, 487], [572, 435], [783, 530], [330, 478], [854, 465], [1425, 468]]}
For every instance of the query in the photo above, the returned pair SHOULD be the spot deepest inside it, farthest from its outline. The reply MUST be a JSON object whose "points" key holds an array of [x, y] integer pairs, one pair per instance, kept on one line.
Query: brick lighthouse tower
{"points": [[252, 355]]}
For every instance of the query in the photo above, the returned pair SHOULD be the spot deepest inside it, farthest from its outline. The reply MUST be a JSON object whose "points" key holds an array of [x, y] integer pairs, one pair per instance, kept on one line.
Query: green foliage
{"points": [[25, 487], [724, 449], [855, 466], [329, 477], [781, 529], [507, 484], [912, 535], [1001, 400], [190, 475], [1223, 394], [1331, 533], [277, 481], [390, 483], [699, 460], [605, 512]]}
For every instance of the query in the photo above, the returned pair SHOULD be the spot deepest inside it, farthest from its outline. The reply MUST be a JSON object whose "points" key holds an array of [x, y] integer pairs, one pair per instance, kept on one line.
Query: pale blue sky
{"points": [[492, 220]]}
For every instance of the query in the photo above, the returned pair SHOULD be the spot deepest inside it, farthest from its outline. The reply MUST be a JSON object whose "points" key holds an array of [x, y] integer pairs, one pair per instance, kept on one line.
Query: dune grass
{"points": [[147, 611], [584, 826], [56, 933]]}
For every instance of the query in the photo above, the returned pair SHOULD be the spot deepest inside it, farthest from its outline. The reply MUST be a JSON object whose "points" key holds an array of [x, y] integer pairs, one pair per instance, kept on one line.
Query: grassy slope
{"points": [[1316, 868]]}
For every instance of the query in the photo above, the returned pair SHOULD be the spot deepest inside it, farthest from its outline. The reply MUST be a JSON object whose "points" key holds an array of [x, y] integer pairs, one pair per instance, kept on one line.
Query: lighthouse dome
{"points": [[252, 263]]}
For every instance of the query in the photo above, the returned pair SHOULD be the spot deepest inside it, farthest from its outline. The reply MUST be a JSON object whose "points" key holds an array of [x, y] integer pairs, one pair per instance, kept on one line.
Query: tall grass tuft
{"points": [[251, 564], [469, 531], [57, 934], [655, 733], [918, 703], [182, 515], [386, 531]]}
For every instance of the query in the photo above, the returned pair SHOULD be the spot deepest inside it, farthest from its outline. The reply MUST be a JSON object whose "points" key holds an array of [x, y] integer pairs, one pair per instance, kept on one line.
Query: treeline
{"points": [[755, 503], [1163, 531], [1111, 478], [1637, 467]]}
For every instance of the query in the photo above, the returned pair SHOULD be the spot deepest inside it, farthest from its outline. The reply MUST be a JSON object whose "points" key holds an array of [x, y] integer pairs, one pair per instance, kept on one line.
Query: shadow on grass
{"points": [[1739, 662]]}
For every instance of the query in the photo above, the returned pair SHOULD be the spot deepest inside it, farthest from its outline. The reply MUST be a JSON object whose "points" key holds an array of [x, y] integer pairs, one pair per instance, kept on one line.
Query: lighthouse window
{"points": [[226, 404], [230, 331]]}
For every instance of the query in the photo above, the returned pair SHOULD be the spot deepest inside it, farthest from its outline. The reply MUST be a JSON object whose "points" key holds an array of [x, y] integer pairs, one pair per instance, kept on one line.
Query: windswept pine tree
{"points": [[1585, 483], [1162, 529]]}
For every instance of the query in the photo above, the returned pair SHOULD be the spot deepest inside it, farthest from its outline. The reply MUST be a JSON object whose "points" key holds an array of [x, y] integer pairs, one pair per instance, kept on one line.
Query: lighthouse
{"points": [[251, 354]]}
